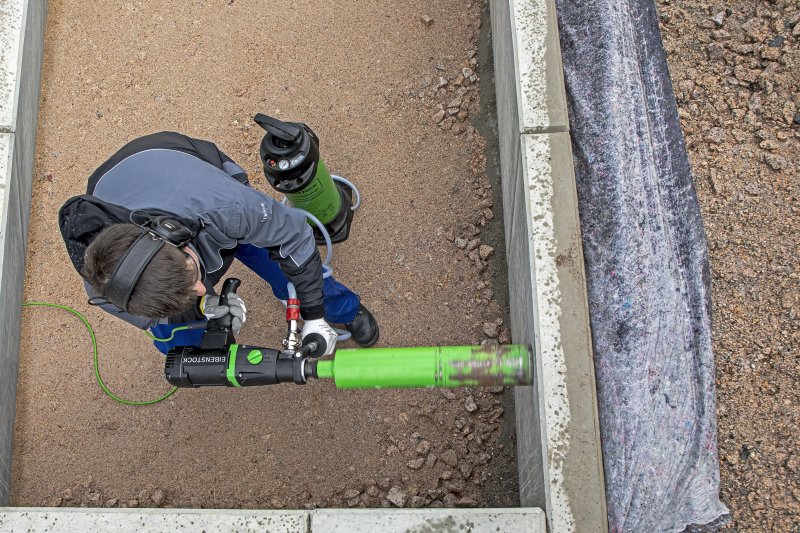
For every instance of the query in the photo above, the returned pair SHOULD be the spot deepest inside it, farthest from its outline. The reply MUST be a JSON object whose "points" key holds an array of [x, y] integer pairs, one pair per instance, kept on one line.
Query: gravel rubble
{"points": [[735, 68]]}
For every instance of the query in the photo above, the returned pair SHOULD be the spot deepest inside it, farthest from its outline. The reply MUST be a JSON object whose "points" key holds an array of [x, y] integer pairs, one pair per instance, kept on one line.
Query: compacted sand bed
{"points": [[370, 78]]}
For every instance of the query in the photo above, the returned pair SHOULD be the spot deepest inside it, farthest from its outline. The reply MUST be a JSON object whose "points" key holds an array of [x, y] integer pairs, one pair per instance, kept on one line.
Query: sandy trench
{"points": [[355, 73], [366, 77]]}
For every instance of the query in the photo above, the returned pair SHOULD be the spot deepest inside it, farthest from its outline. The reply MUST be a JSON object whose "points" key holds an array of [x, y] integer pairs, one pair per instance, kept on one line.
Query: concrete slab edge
{"points": [[56, 520], [539, 72], [21, 81], [10, 31], [558, 437]]}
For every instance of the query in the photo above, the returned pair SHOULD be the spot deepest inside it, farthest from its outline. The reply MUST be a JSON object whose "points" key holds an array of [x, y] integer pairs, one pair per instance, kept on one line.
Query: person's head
{"points": [[169, 284]]}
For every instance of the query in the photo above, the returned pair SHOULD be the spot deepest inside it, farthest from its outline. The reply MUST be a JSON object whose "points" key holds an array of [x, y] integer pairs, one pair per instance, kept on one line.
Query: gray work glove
{"points": [[321, 328], [209, 306]]}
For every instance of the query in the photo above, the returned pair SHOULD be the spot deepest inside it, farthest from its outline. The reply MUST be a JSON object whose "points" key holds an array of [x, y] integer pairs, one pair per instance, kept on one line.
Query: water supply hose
{"points": [[353, 187], [327, 269]]}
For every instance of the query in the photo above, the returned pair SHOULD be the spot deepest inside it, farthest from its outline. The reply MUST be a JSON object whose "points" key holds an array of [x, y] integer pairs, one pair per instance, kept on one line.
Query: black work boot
{"points": [[363, 328]]}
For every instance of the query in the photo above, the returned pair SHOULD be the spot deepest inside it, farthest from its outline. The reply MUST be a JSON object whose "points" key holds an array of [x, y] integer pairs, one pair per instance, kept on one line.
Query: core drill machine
{"points": [[293, 166]]}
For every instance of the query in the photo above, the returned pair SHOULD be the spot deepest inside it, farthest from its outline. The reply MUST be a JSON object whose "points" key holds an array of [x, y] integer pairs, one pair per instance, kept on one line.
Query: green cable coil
{"points": [[95, 359]]}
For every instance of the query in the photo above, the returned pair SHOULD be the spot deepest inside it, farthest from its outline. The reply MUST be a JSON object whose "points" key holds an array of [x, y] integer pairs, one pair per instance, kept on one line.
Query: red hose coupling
{"points": [[292, 309]]}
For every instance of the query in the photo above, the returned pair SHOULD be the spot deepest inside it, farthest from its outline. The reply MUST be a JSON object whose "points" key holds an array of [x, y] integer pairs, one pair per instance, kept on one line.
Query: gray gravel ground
{"points": [[736, 71]]}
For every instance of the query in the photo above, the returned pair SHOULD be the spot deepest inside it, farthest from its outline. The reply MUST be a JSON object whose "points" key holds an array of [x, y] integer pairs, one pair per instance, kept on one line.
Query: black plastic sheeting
{"points": [[647, 270]]}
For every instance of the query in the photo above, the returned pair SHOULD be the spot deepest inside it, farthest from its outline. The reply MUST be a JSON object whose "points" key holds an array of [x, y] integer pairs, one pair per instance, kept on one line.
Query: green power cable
{"points": [[153, 337], [94, 349]]}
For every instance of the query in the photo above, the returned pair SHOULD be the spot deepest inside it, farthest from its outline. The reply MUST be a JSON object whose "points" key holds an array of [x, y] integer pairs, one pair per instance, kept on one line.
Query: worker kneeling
{"points": [[161, 223]]}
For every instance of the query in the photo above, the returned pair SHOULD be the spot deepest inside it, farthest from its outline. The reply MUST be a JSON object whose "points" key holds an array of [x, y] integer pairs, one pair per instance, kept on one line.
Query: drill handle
{"points": [[219, 332], [230, 285]]}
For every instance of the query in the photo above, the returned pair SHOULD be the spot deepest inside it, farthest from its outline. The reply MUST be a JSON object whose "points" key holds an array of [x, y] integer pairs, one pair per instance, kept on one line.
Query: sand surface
{"points": [[365, 76]]}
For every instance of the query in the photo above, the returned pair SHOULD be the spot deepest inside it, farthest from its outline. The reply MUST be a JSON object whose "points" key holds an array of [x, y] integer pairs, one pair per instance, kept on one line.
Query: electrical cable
{"points": [[95, 358], [172, 336]]}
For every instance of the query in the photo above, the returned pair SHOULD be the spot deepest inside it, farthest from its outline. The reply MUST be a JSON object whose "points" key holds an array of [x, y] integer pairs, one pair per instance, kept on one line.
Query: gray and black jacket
{"points": [[192, 180]]}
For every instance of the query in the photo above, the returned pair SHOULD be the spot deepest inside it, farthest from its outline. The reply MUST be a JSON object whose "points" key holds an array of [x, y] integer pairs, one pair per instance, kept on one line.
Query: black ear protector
{"points": [[172, 231], [157, 232]]}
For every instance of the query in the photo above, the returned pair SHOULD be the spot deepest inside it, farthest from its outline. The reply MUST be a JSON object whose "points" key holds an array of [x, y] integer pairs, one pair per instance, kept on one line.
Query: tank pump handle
{"points": [[285, 131]]}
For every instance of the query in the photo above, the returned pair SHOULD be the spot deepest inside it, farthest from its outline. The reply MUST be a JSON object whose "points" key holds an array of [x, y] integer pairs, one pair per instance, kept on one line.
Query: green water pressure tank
{"points": [[292, 165]]}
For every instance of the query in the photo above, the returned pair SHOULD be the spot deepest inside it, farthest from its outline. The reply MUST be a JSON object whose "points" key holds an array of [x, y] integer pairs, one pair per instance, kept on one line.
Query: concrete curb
{"points": [[55, 520], [22, 45], [558, 437]]}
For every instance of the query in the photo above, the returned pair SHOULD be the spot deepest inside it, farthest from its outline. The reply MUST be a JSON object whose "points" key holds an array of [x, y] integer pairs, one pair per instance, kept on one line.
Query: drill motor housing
{"points": [[236, 365], [220, 361]]}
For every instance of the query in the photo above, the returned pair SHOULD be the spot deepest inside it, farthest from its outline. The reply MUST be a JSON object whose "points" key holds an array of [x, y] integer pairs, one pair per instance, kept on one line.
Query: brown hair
{"points": [[165, 287]]}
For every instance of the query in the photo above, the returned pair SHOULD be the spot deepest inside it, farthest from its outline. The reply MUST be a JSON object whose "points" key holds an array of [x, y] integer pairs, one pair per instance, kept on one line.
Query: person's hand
{"points": [[209, 306], [322, 332]]}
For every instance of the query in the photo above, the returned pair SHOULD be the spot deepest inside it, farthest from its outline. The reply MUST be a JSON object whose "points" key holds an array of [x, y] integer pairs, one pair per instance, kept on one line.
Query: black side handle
{"points": [[218, 331], [230, 285]]}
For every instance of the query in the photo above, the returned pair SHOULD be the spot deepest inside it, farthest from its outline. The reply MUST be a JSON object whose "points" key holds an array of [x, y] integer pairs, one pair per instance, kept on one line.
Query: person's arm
{"points": [[285, 233]]}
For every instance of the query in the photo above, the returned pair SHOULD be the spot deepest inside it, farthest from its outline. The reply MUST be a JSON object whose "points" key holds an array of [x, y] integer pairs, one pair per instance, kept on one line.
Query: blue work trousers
{"points": [[341, 304]]}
